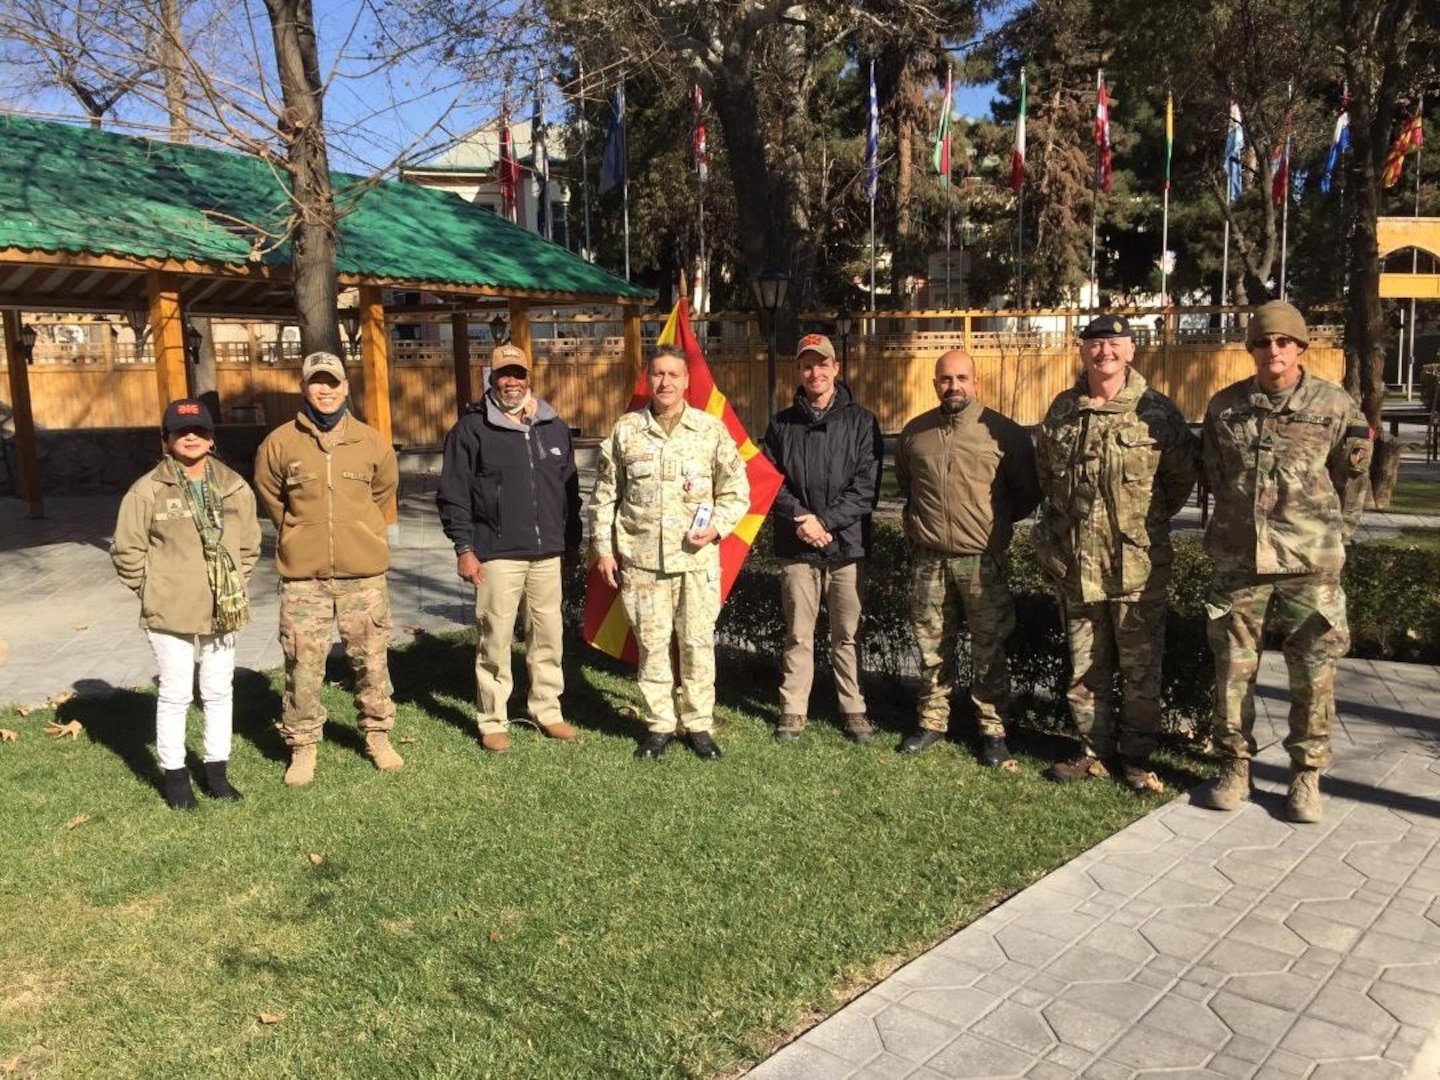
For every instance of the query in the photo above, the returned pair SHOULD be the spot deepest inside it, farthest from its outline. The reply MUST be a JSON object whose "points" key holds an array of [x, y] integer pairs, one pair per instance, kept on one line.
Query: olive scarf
{"points": [[227, 584]]}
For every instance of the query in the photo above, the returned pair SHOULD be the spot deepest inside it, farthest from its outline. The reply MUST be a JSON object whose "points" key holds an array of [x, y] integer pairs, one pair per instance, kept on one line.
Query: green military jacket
{"points": [[1289, 482], [1114, 473], [650, 484]]}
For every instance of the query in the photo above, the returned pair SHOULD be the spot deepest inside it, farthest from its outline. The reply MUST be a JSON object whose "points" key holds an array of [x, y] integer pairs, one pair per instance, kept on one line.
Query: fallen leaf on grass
{"points": [[407, 740], [59, 731], [1011, 765], [316, 859], [496, 937], [54, 701], [270, 1017], [1153, 782], [6, 735], [76, 821], [23, 710], [563, 941]]}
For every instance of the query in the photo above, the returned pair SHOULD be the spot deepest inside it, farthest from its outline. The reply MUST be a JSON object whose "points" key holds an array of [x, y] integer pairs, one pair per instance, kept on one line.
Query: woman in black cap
{"points": [[186, 541]]}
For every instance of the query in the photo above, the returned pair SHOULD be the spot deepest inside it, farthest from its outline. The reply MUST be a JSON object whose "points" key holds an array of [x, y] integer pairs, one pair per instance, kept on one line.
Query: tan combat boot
{"points": [[379, 750], [301, 769], [1229, 789], [1302, 804]]}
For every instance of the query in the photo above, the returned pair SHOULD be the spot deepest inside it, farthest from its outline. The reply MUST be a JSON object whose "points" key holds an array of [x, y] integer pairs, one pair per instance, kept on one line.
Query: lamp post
{"points": [[350, 323], [138, 316], [193, 340], [843, 325], [28, 336], [770, 285]]}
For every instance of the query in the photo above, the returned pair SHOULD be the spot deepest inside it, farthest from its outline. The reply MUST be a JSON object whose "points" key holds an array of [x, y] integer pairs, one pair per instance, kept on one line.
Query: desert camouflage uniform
{"points": [[647, 489], [1289, 481], [1114, 474]]}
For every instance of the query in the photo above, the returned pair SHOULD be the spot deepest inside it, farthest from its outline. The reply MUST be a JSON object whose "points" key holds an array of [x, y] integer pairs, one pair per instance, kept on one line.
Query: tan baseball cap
{"points": [[816, 343], [318, 362], [509, 356]]}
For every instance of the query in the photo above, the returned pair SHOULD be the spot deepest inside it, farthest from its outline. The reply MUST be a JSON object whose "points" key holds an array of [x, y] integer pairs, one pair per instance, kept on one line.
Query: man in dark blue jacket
{"points": [[509, 501], [830, 451]]}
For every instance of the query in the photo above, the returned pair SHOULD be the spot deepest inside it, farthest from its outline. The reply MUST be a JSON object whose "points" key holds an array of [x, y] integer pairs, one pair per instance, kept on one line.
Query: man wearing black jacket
{"points": [[829, 450], [509, 501]]}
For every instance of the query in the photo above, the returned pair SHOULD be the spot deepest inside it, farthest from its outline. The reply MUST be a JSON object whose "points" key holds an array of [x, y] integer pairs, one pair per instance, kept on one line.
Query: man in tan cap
{"points": [[509, 501], [1287, 456], [327, 480]]}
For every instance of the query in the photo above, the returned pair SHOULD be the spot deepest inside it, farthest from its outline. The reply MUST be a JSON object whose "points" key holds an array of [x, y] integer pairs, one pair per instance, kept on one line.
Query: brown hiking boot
{"points": [[859, 728], [1302, 803], [1080, 767], [301, 769], [1230, 787], [497, 742], [560, 730], [379, 750], [790, 727]]}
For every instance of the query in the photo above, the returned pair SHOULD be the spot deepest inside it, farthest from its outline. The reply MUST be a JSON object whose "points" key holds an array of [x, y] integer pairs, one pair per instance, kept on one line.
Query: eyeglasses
{"points": [[1279, 341]]}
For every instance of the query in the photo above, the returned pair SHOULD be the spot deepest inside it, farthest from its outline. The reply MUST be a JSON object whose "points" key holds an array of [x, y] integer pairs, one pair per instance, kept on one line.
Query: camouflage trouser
{"points": [[684, 606], [309, 610], [1125, 634], [1309, 610], [942, 587]]}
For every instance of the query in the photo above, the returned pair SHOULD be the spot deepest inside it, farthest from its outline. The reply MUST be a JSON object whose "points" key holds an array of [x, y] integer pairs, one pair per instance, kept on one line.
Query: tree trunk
{"points": [[172, 52], [312, 260]]}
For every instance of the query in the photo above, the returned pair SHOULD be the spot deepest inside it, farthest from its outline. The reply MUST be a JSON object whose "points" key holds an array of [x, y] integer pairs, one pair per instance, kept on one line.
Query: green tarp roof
{"points": [[66, 189]]}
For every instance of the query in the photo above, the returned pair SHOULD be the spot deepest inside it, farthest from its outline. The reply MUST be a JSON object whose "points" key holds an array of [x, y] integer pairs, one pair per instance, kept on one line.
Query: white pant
{"points": [[176, 656]]}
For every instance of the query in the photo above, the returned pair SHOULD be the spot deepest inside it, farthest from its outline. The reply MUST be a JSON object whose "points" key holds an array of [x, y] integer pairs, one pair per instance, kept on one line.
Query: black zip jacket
{"points": [[509, 490], [832, 470]]}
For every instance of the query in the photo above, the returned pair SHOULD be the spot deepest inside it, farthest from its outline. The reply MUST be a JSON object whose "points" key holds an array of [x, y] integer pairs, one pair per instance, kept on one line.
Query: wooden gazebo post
{"points": [[167, 335], [28, 459], [520, 326], [460, 351], [630, 314], [375, 364]]}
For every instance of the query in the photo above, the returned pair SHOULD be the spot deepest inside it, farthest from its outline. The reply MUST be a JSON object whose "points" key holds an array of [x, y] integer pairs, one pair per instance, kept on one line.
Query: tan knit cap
{"points": [[1276, 317]]}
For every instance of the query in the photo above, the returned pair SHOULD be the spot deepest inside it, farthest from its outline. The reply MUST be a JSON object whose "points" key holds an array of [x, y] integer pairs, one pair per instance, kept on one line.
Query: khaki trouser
{"points": [[801, 586], [1309, 610], [942, 588], [1119, 634], [309, 610], [684, 606], [497, 600]]}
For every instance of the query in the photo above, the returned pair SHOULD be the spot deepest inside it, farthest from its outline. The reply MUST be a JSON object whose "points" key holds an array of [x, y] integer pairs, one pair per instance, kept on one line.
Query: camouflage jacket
{"points": [[650, 484], [1289, 482], [1114, 473]]}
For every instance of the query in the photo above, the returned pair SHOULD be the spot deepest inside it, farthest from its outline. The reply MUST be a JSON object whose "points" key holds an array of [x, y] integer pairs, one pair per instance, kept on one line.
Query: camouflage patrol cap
{"points": [[1276, 317], [509, 356], [1106, 326]]}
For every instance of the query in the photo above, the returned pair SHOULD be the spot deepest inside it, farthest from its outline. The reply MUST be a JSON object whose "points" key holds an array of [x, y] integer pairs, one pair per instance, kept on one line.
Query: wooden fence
{"points": [[583, 375]]}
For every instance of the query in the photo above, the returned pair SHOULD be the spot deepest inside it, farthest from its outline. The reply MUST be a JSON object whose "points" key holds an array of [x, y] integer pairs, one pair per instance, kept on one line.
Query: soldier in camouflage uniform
{"points": [[326, 480], [967, 474], [1117, 462], [658, 468], [1287, 457]]}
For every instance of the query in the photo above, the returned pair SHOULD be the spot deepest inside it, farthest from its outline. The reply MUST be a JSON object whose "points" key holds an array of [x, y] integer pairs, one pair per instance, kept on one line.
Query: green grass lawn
{"points": [[1415, 497], [559, 911]]}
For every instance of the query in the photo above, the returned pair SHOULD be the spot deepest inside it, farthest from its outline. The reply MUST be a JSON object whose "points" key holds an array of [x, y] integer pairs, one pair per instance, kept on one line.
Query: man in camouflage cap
{"points": [[1287, 456], [1116, 462], [967, 474], [670, 486], [327, 480]]}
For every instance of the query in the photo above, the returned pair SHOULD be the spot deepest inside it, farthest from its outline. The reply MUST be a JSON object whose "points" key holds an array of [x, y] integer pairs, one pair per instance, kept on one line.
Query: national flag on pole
{"points": [[606, 626], [941, 157], [541, 166], [1234, 155], [509, 174], [1104, 156], [699, 151], [1412, 137], [1169, 135], [1339, 143], [872, 143], [1017, 158], [1280, 167], [612, 165]]}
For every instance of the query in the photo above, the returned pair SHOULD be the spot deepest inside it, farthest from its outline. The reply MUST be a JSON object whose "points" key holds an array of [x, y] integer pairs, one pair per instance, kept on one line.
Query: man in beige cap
{"points": [[1287, 456], [327, 480], [509, 500]]}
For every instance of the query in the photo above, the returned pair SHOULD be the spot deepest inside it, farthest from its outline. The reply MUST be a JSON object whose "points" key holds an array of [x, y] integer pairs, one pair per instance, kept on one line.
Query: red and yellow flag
{"points": [[606, 626], [1412, 137]]}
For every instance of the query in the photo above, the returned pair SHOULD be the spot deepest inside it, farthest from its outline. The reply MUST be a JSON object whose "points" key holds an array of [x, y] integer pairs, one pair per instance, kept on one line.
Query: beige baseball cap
{"points": [[318, 362], [509, 356]]}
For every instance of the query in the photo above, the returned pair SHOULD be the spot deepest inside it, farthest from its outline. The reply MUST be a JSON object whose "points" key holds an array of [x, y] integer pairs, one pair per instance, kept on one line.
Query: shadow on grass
{"points": [[122, 721]]}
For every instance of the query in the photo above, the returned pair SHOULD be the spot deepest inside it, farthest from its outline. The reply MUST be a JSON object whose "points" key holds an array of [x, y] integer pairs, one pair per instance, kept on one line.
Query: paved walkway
{"points": [[1191, 944]]}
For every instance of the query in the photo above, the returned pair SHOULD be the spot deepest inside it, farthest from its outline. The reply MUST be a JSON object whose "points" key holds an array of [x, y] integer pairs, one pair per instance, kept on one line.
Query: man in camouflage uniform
{"points": [[663, 470], [1117, 462], [326, 480], [967, 474], [1287, 457]]}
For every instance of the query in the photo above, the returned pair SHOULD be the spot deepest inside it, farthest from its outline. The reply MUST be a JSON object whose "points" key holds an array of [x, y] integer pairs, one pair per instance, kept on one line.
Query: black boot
{"points": [[175, 786], [217, 783]]}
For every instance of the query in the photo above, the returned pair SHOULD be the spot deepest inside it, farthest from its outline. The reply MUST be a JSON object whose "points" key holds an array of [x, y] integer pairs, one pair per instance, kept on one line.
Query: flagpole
{"points": [[1414, 269], [625, 186], [1095, 197], [870, 179], [1020, 253], [1285, 194], [585, 165], [1165, 212], [1225, 266]]}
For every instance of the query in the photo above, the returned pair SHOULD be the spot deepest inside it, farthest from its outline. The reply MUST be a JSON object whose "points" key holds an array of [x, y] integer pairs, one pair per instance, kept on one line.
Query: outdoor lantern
{"points": [[843, 325], [350, 323], [193, 340], [28, 335], [500, 330], [138, 316], [770, 285]]}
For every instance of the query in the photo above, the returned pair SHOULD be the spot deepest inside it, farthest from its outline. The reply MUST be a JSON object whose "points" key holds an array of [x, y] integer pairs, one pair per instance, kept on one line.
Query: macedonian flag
{"points": [[606, 626]]}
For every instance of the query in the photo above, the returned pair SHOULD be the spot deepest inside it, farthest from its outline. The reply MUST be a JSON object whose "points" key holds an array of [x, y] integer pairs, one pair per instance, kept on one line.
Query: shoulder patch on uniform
{"points": [[1359, 431]]}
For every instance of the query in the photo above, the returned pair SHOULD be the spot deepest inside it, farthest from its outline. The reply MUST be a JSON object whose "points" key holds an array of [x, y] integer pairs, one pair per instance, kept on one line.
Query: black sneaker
{"points": [[993, 751], [921, 741], [653, 745], [704, 746]]}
